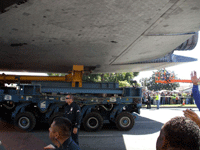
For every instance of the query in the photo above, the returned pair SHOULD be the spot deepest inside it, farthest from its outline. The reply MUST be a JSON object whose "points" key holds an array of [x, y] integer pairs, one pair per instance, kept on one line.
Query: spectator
{"points": [[157, 99], [195, 89], [184, 95], [179, 133], [148, 101], [59, 133], [162, 98], [177, 99], [154, 98], [174, 98], [181, 97], [168, 98], [187, 98], [143, 98]]}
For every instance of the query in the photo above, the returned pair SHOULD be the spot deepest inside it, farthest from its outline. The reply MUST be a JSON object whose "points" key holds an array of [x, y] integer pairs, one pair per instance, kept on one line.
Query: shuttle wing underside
{"points": [[104, 36]]}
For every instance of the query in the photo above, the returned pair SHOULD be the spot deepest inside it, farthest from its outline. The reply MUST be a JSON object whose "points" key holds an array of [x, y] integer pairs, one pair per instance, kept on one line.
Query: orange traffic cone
{"points": [[183, 102]]}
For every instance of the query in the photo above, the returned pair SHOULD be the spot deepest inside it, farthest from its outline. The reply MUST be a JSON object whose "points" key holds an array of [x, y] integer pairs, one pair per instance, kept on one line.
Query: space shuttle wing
{"points": [[104, 36]]}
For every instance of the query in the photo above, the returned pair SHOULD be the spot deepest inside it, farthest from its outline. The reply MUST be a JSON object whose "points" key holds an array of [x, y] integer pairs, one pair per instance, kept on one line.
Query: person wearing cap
{"points": [[73, 113]]}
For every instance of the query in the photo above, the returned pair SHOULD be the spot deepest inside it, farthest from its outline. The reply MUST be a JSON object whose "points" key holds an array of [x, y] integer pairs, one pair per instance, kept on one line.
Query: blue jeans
{"points": [[187, 100], [158, 103], [163, 101]]}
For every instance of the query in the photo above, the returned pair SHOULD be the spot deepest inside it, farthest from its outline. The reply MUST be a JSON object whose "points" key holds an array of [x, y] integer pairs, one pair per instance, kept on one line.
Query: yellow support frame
{"points": [[75, 76]]}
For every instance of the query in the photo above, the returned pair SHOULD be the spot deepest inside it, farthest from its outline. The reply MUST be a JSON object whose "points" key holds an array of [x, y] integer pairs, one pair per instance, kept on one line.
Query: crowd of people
{"points": [[166, 97], [179, 133], [182, 133]]}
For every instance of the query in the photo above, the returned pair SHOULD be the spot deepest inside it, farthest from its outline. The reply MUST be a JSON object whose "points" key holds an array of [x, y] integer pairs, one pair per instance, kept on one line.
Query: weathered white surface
{"points": [[58, 34]]}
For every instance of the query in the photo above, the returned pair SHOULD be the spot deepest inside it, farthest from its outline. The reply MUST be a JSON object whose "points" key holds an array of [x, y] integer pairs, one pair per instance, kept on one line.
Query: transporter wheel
{"points": [[124, 121], [55, 115], [25, 121], [93, 122]]}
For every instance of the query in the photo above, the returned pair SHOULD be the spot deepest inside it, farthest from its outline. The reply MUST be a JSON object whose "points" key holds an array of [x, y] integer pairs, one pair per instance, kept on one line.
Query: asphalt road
{"points": [[143, 135]]}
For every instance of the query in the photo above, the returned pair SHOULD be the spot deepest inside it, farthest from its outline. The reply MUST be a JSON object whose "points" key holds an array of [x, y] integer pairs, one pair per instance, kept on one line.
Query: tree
{"points": [[56, 74], [151, 85], [92, 78], [124, 84], [106, 77], [115, 77]]}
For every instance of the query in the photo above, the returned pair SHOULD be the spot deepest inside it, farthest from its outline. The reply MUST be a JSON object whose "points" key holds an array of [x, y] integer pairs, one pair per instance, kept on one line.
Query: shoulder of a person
{"points": [[75, 104], [73, 146], [66, 105]]}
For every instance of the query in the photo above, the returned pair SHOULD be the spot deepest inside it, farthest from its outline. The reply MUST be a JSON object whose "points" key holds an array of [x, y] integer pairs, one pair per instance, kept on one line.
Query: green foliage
{"points": [[106, 77], [124, 84], [135, 74], [91, 78], [151, 85], [110, 77], [56, 74]]}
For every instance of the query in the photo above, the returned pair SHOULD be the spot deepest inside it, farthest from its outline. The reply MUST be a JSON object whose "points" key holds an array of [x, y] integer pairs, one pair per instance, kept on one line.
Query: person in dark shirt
{"points": [[59, 133], [149, 101], [73, 113]]}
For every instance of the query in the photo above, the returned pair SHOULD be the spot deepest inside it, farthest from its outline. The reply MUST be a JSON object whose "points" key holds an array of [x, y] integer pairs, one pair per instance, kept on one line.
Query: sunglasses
{"points": [[67, 98]]}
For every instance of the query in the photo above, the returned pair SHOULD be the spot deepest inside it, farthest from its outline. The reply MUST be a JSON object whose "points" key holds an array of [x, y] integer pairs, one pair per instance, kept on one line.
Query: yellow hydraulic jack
{"points": [[75, 76]]}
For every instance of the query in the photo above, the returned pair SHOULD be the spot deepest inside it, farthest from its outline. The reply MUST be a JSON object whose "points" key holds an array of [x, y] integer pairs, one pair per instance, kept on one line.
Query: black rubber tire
{"points": [[25, 121], [93, 121], [124, 121], [55, 115]]}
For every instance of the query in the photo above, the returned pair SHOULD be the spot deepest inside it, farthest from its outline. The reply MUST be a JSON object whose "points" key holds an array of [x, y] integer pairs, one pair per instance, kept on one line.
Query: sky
{"points": [[182, 71]]}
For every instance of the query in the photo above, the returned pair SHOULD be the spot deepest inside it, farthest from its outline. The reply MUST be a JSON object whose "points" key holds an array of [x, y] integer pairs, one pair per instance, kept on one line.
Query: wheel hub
{"points": [[125, 121], [24, 122], [92, 122]]}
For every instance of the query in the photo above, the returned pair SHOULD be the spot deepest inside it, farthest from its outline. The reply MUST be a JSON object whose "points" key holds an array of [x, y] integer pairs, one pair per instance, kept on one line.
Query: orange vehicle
{"points": [[167, 78]]}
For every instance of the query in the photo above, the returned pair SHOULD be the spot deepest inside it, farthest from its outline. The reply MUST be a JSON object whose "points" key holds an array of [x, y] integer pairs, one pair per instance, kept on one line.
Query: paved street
{"points": [[143, 136]]}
